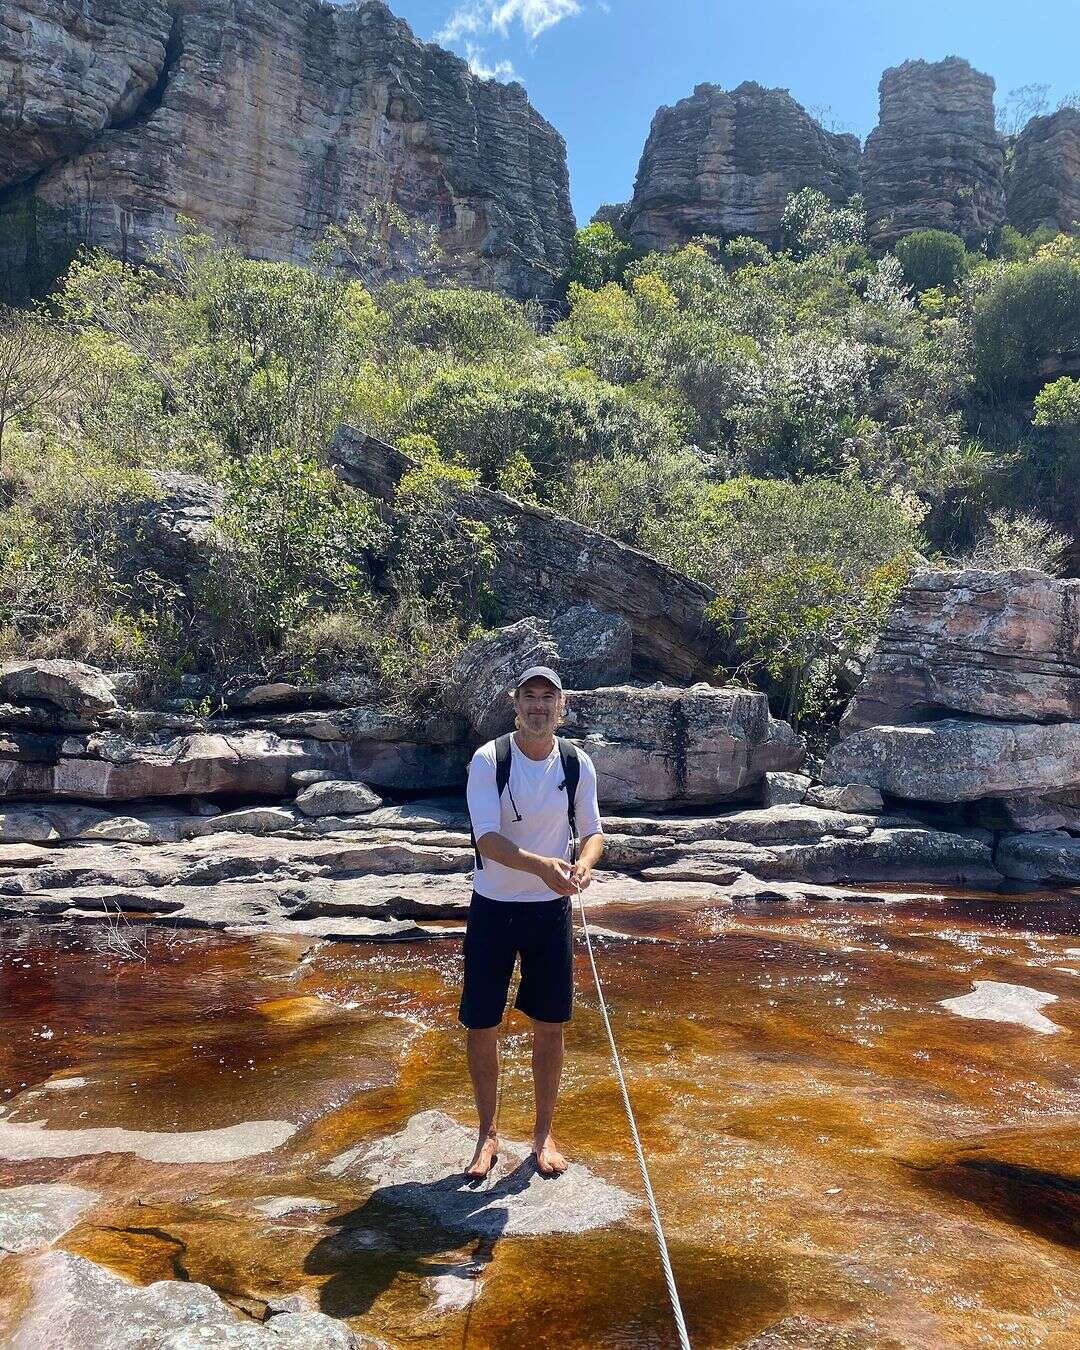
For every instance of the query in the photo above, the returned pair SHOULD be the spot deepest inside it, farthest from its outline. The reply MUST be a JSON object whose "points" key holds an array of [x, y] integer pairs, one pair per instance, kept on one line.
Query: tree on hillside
{"points": [[39, 363], [931, 258]]}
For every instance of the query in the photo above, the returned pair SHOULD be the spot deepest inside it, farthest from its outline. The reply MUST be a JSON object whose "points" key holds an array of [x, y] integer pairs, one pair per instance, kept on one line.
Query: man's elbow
{"points": [[487, 842]]}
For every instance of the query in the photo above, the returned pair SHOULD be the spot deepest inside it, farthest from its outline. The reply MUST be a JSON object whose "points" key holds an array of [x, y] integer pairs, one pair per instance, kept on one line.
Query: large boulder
{"points": [[69, 685], [1049, 857], [935, 159], [959, 759], [667, 747], [548, 564], [585, 645], [992, 644]]}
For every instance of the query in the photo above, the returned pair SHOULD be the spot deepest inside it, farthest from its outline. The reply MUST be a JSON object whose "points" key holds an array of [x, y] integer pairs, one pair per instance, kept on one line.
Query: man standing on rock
{"points": [[529, 794]]}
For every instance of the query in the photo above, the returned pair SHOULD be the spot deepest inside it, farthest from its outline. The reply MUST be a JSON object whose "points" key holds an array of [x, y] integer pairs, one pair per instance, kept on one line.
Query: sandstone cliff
{"points": [[1044, 180], [266, 121], [934, 161], [725, 163]]}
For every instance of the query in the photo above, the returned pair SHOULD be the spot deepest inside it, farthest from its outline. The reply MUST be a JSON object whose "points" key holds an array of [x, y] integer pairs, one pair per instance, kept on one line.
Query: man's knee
{"points": [[547, 1031], [482, 1038]]}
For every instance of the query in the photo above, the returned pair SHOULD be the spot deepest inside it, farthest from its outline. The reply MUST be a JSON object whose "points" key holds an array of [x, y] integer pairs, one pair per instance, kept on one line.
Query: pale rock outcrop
{"points": [[934, 160], [959, 759], [661, 746], [267, 120], [547, 564], [1048, 856], [337, 799], [991, 644], [784, 789], [724, 162], [35, 1215], [1043, 185], [75, 1303], [70, 686]]}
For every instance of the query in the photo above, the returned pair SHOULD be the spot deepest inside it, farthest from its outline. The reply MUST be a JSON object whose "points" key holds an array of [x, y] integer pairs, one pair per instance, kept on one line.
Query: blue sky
{"points": [[598, 69]]}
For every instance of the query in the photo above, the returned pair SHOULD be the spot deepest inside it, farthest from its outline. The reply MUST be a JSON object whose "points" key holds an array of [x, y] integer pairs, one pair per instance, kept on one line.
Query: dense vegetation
{"points": [[797, 429]]}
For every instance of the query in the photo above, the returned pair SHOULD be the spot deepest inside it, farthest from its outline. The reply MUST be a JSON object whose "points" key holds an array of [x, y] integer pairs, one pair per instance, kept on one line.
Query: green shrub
{"points": [[804, 572], [931, 258], [630, 497], [598, 255], [1057, 404], [469, 325], [1031, 310]]}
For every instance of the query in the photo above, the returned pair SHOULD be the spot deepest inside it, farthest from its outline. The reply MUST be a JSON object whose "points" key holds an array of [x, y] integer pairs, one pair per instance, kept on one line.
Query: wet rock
{"points": [[1053, 857], [1043, 185], [660, 746], [993, 644], [959, 759], [857, 797], [996, 1001], [70, 686], [548, 564], [34, 1216], [784, 789], [884, 855], [934, 160], [228, 1144], [265, 695], [333, 798], [725, 163], [420, 1170], [75, 1304]]}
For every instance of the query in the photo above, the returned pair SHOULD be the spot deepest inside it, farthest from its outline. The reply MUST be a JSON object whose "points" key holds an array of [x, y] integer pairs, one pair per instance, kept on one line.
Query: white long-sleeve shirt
{"points": [[541, 803]]}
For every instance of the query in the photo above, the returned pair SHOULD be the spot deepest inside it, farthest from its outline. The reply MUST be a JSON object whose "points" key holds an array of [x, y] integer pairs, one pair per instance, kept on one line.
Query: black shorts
{"points": [[498, 931]]}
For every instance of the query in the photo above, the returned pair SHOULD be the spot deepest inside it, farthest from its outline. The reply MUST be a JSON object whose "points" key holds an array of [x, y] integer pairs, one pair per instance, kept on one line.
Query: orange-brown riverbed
{"points": [[837, 1156]]}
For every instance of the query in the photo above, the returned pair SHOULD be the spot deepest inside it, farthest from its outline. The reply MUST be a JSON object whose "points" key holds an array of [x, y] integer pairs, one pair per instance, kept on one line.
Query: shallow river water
{"points": [[838, 1157]]}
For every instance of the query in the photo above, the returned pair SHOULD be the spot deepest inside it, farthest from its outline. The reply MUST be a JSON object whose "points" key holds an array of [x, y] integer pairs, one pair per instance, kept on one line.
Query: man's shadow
{"points": [[399, 1228]]}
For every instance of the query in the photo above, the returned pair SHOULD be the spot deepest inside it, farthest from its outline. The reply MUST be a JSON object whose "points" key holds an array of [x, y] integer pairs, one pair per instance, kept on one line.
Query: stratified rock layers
{"points": [[934, 161], [1044, 182], [266, 122], [725, 163]]}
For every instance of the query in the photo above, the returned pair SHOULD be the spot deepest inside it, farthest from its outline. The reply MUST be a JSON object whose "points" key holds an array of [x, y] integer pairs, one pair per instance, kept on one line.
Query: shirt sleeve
{"points": [[586, 806], [482, 795]]}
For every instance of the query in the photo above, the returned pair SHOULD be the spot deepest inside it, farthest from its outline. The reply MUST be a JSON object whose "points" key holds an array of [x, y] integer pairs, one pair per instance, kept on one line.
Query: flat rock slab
{"points": [[76, 1304], [33, 1216], [33, 1140], [995, 1001], [420, 1170]]}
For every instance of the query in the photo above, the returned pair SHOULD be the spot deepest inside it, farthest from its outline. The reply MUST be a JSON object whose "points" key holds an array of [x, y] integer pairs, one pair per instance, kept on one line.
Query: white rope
{"points": [[665, 1259]]}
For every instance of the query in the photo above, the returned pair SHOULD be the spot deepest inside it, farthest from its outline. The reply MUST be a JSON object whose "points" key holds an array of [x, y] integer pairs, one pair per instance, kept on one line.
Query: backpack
{"points": [[571, 767]]}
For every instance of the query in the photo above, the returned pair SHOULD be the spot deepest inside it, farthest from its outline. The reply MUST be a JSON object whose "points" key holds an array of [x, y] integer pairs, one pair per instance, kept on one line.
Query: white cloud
{"points": [[489, 16], [501, 70]]}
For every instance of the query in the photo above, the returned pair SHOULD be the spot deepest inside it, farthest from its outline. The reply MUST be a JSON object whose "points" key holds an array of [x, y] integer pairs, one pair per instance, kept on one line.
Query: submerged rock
{"points": [[75, 1304], [34, 1216], [996, 1001], [420, 1170], [34, 1140]]}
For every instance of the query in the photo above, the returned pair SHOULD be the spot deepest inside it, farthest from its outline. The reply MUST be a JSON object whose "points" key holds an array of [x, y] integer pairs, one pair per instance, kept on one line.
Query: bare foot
{"points": [[485, 1157], [549, 1161]]}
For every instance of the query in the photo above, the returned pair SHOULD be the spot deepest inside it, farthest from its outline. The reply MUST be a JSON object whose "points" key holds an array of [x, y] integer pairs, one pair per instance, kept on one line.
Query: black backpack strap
{"points": [[502, 778], [571, 767]]}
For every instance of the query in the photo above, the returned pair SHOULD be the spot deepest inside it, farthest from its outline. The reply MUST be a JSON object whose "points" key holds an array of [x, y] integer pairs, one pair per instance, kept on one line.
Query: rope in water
{"points": [[665, 1259]]}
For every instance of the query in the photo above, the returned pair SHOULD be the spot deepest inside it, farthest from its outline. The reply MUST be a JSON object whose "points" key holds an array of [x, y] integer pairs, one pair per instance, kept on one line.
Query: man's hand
{"points": [[581, 874], [555, 873]]}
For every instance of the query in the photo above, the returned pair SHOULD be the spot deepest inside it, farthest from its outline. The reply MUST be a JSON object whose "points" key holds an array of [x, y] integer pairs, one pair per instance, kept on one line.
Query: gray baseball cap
{"points": [[538, 672]]}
